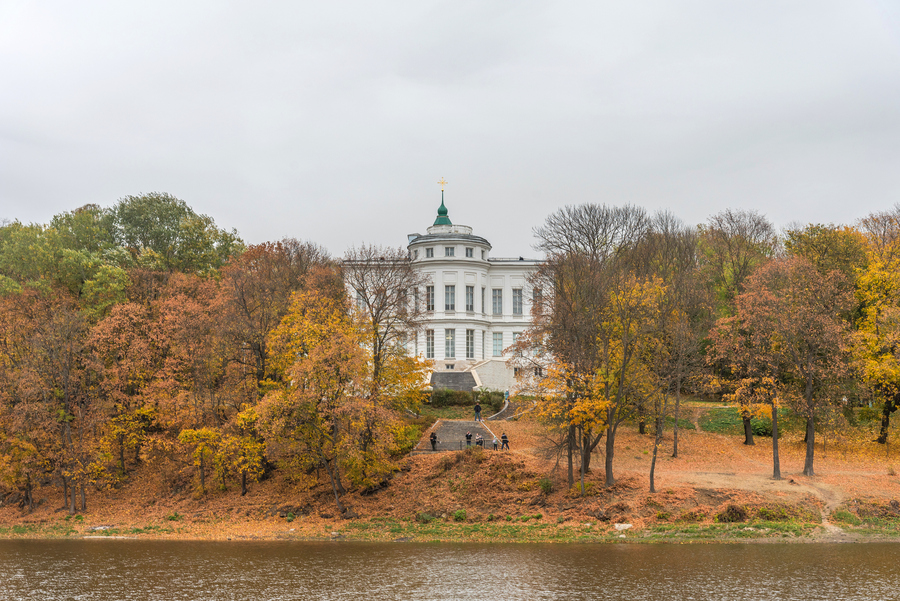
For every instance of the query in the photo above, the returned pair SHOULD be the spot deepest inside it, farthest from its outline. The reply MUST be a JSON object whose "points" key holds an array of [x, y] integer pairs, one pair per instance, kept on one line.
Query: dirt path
{"points": [[791, 487]]}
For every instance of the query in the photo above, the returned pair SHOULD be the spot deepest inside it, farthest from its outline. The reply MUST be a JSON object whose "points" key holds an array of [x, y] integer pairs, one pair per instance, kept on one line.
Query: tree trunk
{"points": [[83, 498], [584, 450], [29, 494], [656, 443], [72, 508], [122, 454], [243, 482], [570, 445], [810, 446], [589, 445], [889, 407], [65, 492], [202, 475], [334, 486], [610, 451], [677, 416], [776, 462], [748, 431]]}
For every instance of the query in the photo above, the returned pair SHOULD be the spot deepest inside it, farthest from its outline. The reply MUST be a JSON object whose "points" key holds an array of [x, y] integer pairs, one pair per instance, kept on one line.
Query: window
{"points": [[538, 372], [536, 298], [450, 365], [482, 300], [470, 252], [515, 336], [360, 300], [449, 344], [429, 298], [470, 344], [517, 301], [497, 300], [415, 254], [498, 344], [429, 344], [449, 298], [516, 372], [449, 251], [470, 298], [429, 252], [482, 255]]}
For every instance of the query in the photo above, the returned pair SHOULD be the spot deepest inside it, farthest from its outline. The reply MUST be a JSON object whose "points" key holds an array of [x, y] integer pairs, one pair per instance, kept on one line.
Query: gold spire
{"points": [[442, 183]]}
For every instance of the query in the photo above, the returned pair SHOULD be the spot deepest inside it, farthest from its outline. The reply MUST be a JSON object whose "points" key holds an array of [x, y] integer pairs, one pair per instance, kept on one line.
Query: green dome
{"points": [[442, 218]]}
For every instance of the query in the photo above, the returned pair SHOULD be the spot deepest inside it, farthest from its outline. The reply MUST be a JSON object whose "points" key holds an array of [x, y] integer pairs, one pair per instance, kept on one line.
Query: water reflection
{"points": [[126, 569]]}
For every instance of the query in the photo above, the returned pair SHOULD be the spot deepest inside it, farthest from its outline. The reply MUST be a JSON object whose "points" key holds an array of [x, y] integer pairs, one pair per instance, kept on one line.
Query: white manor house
{"points": [[477, 305]]}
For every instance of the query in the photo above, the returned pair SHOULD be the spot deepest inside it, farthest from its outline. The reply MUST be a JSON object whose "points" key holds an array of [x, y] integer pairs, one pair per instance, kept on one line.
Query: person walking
{"points": [[468, 439], [434, 440], [505, 441], [477, 412]]}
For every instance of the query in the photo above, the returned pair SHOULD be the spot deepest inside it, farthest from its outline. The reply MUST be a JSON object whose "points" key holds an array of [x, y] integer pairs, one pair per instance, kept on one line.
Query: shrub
{"points": [[575, 491], [491, 398], [444, 397], [762, 427], [546, 485], [663, 516], [732, 513], [459, 515], [868, 414], [696, 515], [290, 517], [424, 518], [773, 514]]}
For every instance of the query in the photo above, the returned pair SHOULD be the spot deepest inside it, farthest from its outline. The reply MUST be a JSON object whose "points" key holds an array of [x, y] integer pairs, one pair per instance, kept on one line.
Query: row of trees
{"points": [[645, 307], [143, 335]]}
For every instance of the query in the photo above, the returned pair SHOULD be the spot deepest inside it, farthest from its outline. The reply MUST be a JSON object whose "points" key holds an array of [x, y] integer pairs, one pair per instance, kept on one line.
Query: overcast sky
{"points": [[333, 121]]}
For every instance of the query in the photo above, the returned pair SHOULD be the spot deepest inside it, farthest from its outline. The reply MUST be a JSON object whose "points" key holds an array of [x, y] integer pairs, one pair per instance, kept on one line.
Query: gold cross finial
{"points": [[442, 183]]}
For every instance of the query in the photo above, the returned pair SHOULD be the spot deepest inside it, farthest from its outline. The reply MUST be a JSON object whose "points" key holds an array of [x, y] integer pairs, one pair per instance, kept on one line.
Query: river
{"points": [[136, 569]]}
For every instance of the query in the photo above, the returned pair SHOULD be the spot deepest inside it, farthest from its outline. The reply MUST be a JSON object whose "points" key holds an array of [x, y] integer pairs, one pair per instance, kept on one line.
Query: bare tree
{"points": [[595, 320], [733, 244], [385, 289]]}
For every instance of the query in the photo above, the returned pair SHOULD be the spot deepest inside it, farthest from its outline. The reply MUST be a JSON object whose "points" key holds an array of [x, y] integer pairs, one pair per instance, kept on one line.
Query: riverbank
{"points": [[716, 490]]}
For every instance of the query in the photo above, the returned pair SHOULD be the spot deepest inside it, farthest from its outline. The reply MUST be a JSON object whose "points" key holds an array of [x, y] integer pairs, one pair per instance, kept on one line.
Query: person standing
{"points": [[479, 440], [477, 412], [505, 441], [434, 440], [496, 442], [468, 439]]}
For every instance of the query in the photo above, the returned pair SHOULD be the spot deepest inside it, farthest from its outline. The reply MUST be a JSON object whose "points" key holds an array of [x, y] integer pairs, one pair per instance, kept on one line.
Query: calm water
{"points": [[124, 569]]}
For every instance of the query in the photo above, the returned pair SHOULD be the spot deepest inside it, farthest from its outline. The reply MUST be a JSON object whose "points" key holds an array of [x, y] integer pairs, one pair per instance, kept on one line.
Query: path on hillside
{"points": [[452, 434]]}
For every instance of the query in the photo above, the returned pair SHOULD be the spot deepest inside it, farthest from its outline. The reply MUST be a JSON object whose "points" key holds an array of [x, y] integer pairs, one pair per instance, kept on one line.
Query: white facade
{"points": [[477, 304]]}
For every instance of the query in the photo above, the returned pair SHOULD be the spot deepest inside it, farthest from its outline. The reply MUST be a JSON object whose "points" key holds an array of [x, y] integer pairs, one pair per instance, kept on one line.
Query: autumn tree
{"points": [[795, 312], [307, 423], [597, 318], [257, 286], [876, 341], [44, 338], [733, 244], [386, 299]]}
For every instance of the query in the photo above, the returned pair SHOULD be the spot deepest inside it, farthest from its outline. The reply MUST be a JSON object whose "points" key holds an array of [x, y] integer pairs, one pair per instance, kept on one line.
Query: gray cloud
{"points": [[334, 121]]}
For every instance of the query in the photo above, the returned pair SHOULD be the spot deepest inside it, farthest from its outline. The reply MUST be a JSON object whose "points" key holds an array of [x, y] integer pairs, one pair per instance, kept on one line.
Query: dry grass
{"points": [[711, 473]]}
